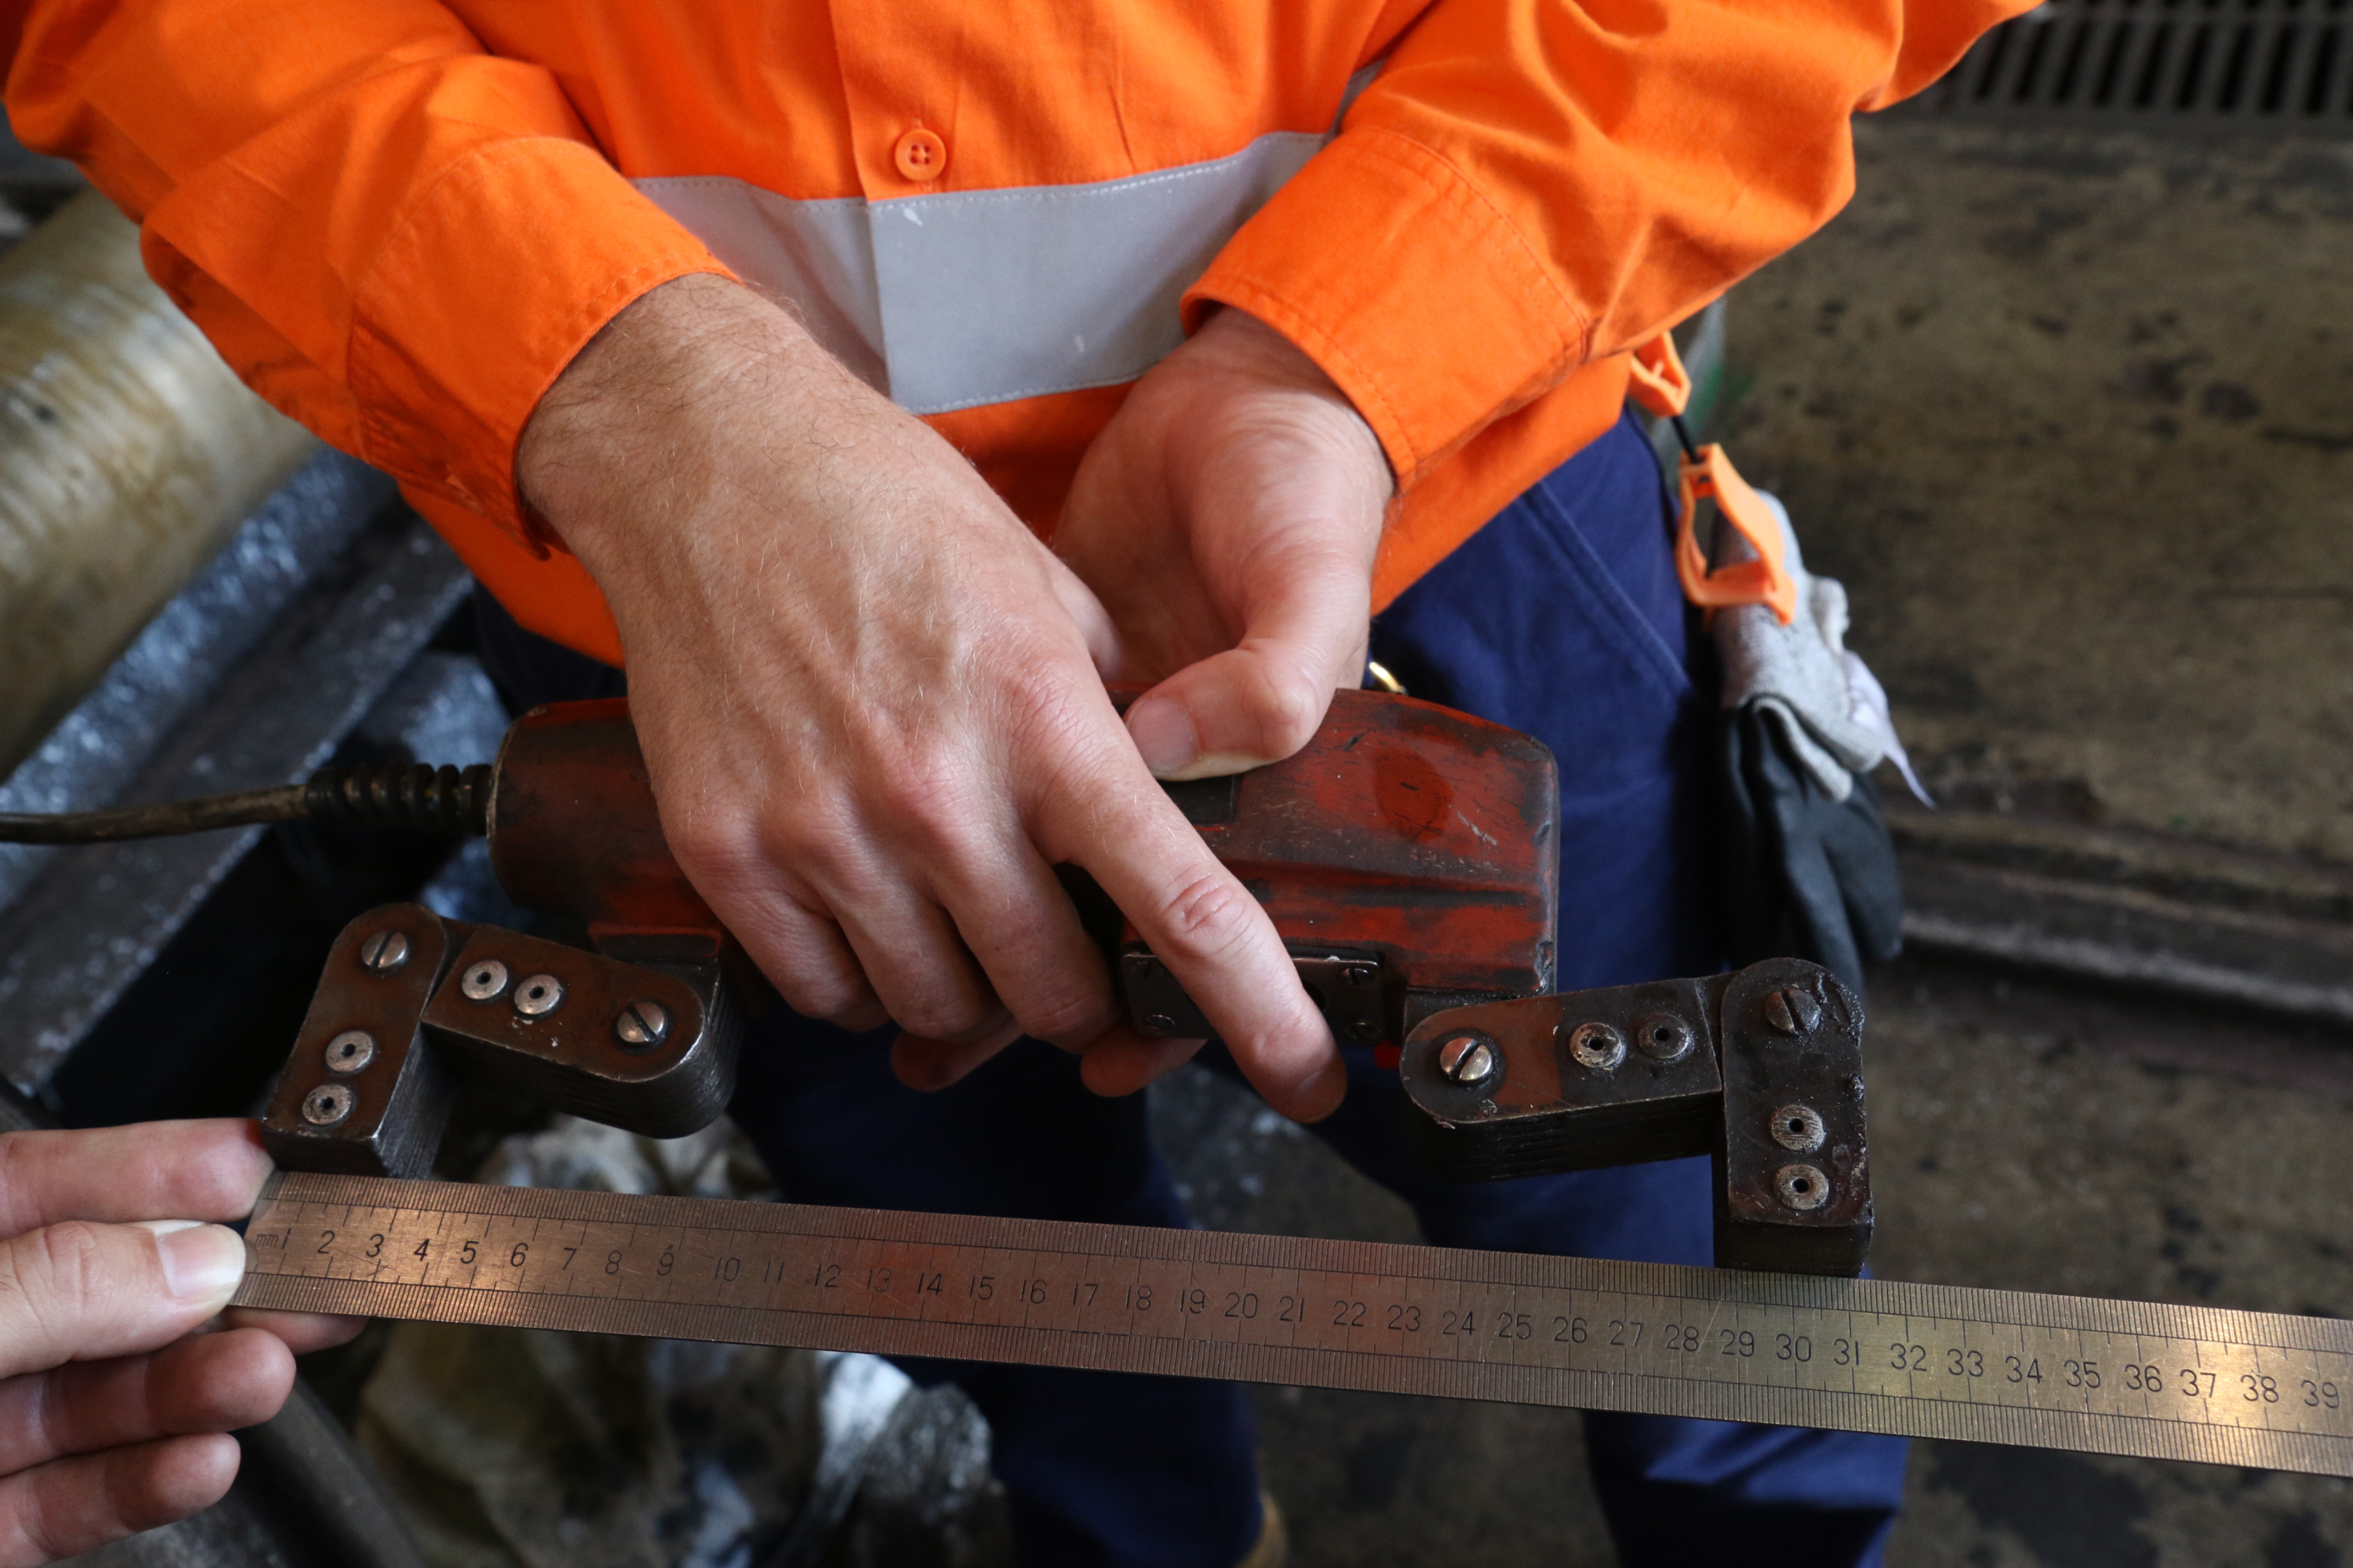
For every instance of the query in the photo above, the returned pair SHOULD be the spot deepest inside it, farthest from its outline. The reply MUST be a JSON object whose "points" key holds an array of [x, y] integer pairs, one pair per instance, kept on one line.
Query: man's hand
{"points": [[112, 1419], [871, 703], [1226, 519]]}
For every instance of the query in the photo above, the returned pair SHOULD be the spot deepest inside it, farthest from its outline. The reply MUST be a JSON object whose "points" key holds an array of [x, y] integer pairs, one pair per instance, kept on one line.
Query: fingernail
{"points": [[201, 1262], [1164, 735], [1320, 1096]]}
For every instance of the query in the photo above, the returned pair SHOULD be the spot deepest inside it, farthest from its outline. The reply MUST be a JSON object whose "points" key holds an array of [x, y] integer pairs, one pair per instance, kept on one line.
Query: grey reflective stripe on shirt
{"points": [[975, 297]]}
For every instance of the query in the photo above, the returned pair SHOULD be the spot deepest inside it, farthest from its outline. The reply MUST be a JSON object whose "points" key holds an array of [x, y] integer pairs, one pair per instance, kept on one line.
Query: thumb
{"points": [[1303, 636], [80, 1291]]}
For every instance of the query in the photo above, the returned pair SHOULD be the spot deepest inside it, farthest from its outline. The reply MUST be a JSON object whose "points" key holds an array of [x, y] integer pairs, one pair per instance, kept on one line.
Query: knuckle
{"points": [[835, 998], [950, 1018], [1053, 717], [71, 1256], [47, 1278], [930, 794], [722, 852], [1068, 1013], [1207, 915], [1286, 707]]}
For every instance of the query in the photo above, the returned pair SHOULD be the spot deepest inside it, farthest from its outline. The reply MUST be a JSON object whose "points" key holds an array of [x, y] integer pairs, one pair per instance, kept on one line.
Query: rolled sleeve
{"points": [[397, 239], [1530, 185], [457, 331], [1449, 315]]}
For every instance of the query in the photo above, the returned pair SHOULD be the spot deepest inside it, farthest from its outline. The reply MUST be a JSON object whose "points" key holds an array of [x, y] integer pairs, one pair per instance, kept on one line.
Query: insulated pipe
{"points": [[129, 453]]}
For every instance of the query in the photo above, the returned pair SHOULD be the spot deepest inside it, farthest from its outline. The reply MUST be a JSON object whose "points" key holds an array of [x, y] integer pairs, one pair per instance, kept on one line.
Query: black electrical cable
{"points": [[412, 797]]}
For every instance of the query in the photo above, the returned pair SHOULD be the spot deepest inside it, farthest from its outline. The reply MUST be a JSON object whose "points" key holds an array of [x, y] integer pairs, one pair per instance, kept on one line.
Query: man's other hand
{"points": [[1226, 519], [872, 707], [114, 1411]]}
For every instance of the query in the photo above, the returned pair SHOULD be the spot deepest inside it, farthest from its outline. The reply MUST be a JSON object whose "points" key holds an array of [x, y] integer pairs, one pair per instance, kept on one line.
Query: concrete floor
{"points": [[2072, 415]]}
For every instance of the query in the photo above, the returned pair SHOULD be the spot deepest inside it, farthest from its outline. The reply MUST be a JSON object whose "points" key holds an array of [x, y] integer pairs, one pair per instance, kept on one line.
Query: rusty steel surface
{"points": [[1762, 1070], [574, 827], [1412, 831], [2250, 1389], [1546, 1109], [553, 1032], [409, 1002], [1407, 855], [1406, 838]]}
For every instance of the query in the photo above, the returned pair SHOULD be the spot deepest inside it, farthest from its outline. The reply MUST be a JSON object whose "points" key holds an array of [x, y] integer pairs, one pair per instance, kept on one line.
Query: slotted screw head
{"points": [[484, 981], [328, 1104], [643, 1025], [1792, 1011], [1160, 1022], [537, 996], [1364, 1031], [1466, 1059], [1360, 973], [383, 952], [350, 1051]]}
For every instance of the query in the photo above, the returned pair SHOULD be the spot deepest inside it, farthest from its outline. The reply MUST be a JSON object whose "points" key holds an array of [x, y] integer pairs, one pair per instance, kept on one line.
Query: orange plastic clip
{"points": [[1662, 386], [1764, 580]]}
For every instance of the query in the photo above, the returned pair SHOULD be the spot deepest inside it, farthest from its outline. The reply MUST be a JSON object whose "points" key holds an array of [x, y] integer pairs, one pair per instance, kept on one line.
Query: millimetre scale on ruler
{"points": [[1866, 1355]]}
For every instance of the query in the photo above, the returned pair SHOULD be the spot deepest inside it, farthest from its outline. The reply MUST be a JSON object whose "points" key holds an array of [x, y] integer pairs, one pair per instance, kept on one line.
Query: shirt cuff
{"points": [[1457, 323], [495, 279]]}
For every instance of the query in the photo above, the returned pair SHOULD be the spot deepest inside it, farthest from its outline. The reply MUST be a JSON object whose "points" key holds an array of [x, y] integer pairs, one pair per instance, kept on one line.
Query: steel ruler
{"points": [[1866, 1355]]}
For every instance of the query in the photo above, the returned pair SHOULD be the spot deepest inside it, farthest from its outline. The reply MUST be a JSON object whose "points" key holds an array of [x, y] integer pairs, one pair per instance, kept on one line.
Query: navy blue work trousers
{"points": [[1562, 618]]}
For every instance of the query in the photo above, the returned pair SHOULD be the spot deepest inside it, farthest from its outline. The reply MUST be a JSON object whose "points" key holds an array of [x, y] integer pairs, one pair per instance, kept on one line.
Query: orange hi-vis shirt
{"points": [[399, 219]]}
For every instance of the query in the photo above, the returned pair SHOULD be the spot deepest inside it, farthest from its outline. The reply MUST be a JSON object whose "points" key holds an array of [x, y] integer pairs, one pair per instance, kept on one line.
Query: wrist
{"points": [[643, 400], [1233, 343]]}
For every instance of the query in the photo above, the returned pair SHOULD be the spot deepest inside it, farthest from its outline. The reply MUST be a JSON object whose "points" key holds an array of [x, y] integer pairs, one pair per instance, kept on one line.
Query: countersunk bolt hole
{"points": [[1798, 1129], [1597, 1047], [484, 982], [350, 1051], [328, 1104], [1664, 1038], [537, 996], [1801, 1187]]}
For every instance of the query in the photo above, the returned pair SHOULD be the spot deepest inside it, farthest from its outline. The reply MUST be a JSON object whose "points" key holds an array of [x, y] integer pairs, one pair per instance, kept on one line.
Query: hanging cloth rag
{"points": [[1809, 868]]}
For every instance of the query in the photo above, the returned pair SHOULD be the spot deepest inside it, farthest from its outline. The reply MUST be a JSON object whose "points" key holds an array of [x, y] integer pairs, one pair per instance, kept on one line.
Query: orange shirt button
{"points": [[921, 154]]}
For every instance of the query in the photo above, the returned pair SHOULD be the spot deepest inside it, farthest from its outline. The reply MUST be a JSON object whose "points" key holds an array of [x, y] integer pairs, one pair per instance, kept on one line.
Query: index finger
{"points": [[1204, 925], [209, 1170]]}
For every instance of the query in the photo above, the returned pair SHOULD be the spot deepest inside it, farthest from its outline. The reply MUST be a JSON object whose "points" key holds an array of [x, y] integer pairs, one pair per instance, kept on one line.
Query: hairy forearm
{"points": [[651, 394]]}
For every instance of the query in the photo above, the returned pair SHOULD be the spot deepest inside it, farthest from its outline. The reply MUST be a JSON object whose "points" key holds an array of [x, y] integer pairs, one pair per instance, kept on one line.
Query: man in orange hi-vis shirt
{"points": [[871, 382]]}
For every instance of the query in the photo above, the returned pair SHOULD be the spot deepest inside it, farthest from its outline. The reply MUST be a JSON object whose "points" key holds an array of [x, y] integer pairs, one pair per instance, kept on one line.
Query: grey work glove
{"points": [[1810, 870]]}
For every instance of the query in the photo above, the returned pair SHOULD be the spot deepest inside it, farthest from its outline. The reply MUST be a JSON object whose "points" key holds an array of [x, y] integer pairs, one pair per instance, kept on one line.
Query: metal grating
{"points": [[2287, 63]]}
